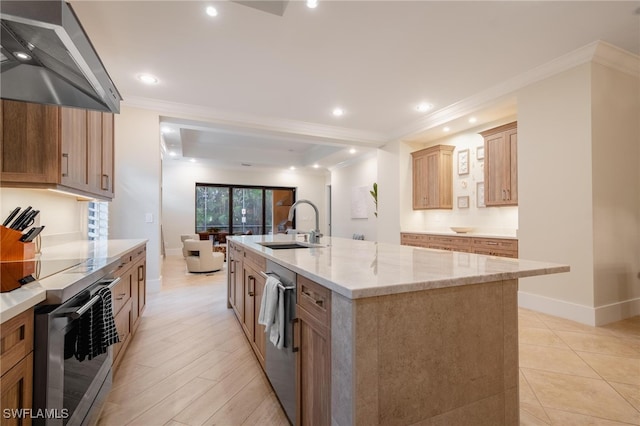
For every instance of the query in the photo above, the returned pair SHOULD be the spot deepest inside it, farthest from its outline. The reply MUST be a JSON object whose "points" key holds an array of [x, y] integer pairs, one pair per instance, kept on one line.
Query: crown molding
{"points": [[619, 59], [598, 51], [270, 124]]}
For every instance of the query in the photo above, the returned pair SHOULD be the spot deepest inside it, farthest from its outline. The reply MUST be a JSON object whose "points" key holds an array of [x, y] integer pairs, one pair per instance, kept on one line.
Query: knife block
{"points": [[11, 248]]}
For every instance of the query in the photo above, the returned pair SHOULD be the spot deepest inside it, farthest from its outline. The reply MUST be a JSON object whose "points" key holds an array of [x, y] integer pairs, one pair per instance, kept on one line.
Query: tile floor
{"points": [[570, 374], [573, 374]]}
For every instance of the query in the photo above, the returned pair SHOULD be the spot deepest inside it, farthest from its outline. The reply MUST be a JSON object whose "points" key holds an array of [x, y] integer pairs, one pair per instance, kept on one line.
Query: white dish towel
{"points": [[272, 312]]}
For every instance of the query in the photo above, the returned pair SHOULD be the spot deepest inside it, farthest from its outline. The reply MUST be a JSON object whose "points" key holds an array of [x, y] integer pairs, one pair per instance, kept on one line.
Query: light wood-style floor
{"points": [[190, 364]]}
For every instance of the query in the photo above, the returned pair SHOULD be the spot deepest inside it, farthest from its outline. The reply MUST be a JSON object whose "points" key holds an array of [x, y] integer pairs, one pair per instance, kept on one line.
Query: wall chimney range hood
{"points": [[46, 57]]}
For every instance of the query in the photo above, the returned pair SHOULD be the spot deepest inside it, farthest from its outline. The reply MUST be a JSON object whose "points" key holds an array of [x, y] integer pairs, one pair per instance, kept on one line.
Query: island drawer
{"points": [[315, 299], [256, 260]]}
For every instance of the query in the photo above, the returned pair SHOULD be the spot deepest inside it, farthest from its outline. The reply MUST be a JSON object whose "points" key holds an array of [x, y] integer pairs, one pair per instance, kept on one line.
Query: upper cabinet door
{"points": [[48, 146], [73, 141], [106, 180], [501, 165], [433, 178], [29, 143]]}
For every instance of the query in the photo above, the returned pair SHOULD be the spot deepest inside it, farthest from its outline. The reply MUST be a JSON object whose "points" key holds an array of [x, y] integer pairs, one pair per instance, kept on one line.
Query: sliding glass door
{"points": [[238, 209]]}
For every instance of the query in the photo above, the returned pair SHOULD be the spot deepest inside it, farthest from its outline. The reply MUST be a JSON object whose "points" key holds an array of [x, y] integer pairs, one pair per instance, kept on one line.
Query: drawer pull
{"points": [[121, 296], [295, 335], [319, 302], [252, 285]]}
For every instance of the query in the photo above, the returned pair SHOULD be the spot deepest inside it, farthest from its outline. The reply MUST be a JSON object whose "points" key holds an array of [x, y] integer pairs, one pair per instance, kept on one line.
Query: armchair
{"points": [[185, 237], [201, 258]]}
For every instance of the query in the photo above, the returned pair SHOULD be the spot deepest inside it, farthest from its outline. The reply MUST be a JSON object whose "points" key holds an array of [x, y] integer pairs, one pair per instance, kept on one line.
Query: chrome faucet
{"points": [[314, 235]]}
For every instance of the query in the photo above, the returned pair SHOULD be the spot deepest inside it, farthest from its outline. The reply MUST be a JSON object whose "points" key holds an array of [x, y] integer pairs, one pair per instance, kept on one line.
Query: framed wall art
{"points": [[463, 162], [463, 202], [480, 153]]}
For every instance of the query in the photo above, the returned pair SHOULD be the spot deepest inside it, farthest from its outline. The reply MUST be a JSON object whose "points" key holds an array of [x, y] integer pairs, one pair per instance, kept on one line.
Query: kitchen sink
{"points": [[286, 245]]}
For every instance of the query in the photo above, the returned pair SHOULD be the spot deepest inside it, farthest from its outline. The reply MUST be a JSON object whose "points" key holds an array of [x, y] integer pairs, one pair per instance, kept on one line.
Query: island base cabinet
{"points": [[17, 392], [313, 371], [441, 356]]}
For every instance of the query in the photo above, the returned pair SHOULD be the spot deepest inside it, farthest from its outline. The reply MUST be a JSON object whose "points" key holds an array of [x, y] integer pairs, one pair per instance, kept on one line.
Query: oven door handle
{"points": [[84, 308]]}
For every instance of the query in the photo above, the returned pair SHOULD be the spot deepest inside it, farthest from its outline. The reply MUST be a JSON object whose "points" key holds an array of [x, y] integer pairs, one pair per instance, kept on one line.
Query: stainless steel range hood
{"points": [[47, 58]]}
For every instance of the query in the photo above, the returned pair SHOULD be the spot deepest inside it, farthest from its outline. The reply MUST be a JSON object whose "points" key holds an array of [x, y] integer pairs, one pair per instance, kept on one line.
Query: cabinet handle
{"points": [[65, 155], [121, 296], [491, 243], [106, 186], [140, 273], [508, 194], [318, 302], [252, 288], [295, 335]]}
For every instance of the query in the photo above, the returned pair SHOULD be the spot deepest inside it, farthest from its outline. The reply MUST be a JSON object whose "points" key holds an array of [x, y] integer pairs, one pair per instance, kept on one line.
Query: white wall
{"points": [[137, 184], [490, 220], [578, 139], [616, 192], [346, 183], [389, 195], [178, 200]]}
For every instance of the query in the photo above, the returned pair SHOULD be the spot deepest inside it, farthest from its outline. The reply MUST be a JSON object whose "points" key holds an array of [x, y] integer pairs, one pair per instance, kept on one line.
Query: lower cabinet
{"points": [[129, 298], [254, 290], [313, 335], [312, 331], [16, 366], [504, 247], [236, 278]]}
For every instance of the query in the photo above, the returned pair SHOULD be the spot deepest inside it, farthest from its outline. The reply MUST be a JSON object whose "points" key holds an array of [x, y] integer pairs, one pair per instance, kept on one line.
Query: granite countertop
{"points": [[101, 253], [359, 269]]}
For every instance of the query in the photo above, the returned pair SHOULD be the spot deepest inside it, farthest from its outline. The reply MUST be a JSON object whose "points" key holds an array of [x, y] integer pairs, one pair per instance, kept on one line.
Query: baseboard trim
{"points": [[173, 251], [617, 311], [588, 315], [556, 307], [155, 285]]}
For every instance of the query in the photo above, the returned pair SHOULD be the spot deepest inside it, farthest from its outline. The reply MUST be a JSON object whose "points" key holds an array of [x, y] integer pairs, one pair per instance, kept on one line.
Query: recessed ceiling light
{"points": [[338, 112], [22, 56], [473, 120], [315, 166], [172, 153], [193, 160], [312, 4], [446, 129], [423, 107], [148, 79], [352, 151], [292, 168], [212, 11]]}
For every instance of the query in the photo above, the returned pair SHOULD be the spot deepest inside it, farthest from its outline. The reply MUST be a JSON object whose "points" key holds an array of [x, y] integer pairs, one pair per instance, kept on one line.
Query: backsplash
{"points": [[64, 217]]}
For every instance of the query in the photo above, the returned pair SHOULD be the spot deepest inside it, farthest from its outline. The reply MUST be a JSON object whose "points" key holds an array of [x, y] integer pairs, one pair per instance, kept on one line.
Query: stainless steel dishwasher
{"points": [[281, 363]]}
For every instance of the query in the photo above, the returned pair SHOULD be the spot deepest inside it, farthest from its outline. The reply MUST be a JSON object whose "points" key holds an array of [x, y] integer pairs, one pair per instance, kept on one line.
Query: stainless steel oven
{"points": [[67, 390]]}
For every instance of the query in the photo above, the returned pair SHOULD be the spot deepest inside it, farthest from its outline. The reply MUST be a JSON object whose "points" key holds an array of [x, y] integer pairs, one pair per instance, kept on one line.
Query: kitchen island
{"points": [[397, 335]]}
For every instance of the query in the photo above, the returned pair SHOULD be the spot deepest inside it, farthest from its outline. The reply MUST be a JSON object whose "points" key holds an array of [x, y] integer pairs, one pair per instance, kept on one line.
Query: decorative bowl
{"points": [[461, 229]]}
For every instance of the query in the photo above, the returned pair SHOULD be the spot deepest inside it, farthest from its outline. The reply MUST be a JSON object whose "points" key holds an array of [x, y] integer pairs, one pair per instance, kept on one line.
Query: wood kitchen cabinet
{"points": [[501, 165], [433, 178], [313, 369], [505, 247], [45, 146], [235, 278], [254, 291], [16, 365], [129, 299]]}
